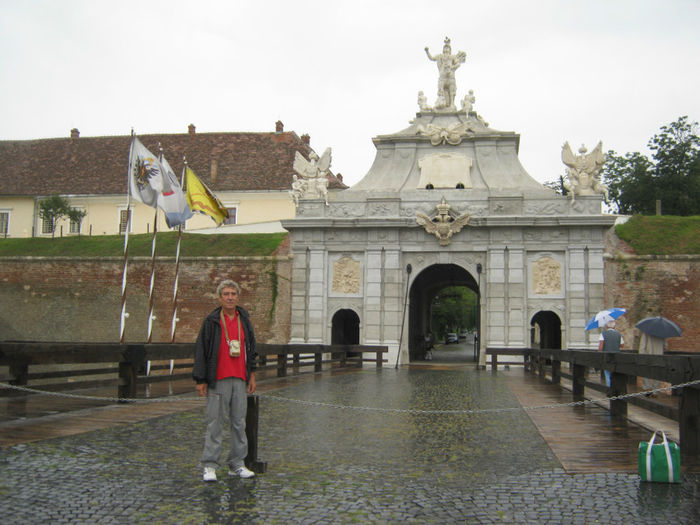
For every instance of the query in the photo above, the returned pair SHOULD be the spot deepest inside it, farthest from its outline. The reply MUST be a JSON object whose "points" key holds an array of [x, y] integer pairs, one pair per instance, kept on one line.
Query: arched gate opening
{"points": [[425, 293], [546, 330], [345, 328]]}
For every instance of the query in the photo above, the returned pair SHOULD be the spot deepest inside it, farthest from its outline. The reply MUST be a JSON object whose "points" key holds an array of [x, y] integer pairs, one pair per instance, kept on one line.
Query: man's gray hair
{"points": [[227, 283]]}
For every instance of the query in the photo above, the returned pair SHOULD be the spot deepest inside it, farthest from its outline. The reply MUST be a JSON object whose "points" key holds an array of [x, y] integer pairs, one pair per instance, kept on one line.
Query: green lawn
{"points": [[661, 235], [214, 245]]}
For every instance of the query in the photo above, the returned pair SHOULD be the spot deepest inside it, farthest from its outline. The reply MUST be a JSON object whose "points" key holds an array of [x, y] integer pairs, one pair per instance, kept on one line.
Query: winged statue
{"points": [[443, 224], [583, 170], [311, 182]]}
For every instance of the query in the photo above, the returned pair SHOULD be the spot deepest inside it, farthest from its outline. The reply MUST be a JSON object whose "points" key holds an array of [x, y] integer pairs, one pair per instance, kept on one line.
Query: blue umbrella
{"points": [[604, 317], [659, 327]]}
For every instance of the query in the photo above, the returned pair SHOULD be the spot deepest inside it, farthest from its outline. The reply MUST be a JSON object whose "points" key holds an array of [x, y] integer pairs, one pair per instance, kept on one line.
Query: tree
{"points": [[557, 185], [672, 176], [54, 208], [453, 308]]}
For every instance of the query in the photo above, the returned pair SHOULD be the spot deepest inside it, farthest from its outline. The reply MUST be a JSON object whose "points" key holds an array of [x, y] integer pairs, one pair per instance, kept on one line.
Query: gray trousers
{"points": [[227, 400]]}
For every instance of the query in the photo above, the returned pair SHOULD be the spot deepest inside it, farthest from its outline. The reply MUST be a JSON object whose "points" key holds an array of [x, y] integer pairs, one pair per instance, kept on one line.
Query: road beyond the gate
{"points": [[360, 447]]}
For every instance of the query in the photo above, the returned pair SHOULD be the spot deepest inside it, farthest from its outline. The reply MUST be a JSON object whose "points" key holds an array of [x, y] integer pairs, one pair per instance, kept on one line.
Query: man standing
{"points": [[224, 369], [610, 341]]}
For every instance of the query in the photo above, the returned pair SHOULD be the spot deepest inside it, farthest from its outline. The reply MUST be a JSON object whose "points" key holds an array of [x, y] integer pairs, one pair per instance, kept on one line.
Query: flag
{"points": [[172, 199], [201, 199], [145, 174]]}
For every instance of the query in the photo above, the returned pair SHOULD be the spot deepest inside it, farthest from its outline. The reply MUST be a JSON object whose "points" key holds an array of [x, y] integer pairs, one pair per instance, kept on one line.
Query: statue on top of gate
{"points": [[312, 180], [447, 64]]}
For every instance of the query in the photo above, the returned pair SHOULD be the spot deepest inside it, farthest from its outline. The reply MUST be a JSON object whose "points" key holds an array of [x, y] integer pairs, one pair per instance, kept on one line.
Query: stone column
{"points": [[516, 325]]}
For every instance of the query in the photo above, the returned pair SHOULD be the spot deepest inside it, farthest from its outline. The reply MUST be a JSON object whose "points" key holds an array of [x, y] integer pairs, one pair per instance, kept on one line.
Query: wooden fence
{"points": [[70, 366], [625, 367]]}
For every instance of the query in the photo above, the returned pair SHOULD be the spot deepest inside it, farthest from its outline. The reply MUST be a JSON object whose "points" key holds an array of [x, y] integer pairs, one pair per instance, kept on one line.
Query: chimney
{"points": [[74, 133], [279, 127], [190, 129], [214, 170], [306, 139]]}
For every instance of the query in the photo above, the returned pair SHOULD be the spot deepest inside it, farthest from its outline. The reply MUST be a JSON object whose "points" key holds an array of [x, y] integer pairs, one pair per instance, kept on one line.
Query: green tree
{"points": [[54, 208], [453, 309], [672, 176]]}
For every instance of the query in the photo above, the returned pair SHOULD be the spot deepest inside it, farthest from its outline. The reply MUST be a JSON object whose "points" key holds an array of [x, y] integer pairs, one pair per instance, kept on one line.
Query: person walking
{"points": [[610, 341], [224, 370]]}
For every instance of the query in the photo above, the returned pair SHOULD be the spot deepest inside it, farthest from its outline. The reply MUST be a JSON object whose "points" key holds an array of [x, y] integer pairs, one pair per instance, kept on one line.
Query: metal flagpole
{"points": [[151, 298], [173, 324], [124, 314]]}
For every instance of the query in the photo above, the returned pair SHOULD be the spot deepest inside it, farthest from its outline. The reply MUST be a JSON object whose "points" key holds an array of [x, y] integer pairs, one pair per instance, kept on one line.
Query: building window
{"points": [[75, 225], [124, 220], [4, 223], [232, 210], [46, 226]]}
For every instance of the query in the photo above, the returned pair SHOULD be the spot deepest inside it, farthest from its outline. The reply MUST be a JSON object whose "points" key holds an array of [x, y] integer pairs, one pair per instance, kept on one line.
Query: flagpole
{"points": [[151, 298], [124, 314], [173, 324]]}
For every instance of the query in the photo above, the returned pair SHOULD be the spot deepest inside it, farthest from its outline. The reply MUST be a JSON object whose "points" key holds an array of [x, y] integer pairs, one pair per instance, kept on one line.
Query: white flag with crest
{"points": [[145, 174]]}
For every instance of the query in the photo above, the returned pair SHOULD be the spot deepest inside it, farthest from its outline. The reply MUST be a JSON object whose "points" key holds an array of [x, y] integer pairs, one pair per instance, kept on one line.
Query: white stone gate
{"points": [[449, 197]]}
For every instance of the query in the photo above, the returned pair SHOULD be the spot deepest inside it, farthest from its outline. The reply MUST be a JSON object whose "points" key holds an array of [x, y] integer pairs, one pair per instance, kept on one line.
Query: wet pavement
{"points": [[328, 464]]}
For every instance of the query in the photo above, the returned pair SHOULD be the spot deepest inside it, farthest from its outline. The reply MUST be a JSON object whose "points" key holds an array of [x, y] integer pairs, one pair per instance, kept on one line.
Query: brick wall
{"points": [[652, 285], [66, 299]]}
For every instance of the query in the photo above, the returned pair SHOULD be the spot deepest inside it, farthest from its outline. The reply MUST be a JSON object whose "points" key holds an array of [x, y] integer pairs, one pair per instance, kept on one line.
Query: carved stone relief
{"points": [[546, 276], [346, 275]]}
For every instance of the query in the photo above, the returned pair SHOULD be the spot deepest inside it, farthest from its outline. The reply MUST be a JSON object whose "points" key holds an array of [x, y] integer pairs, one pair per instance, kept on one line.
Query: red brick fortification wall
{"points": [[66, 299], [652, 285]]}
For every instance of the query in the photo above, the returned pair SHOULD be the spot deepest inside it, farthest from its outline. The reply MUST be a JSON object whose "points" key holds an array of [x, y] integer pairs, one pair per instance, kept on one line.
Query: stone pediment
{"points": [[445, 170]]}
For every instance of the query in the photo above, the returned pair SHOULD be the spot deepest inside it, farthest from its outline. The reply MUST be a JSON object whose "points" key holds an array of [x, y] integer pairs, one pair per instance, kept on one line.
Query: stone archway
{"points": [[546, 330], [345, 328], [423, 289]]}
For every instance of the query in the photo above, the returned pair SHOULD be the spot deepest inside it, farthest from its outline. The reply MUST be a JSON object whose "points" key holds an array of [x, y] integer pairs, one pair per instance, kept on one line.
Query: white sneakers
{"points": [[209, 474], [241, 472]]}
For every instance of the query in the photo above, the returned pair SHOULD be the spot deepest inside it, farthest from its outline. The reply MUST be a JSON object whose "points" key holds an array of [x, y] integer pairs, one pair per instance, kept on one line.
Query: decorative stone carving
{"points": [[445, 170], [453, 134], [423, 102], [468, 101], [583, 171], [346, 275], [313, 183], [444, 223], [546, 276], [447, 64]]}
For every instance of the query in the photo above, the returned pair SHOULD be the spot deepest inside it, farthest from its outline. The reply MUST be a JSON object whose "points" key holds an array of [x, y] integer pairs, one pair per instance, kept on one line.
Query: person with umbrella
{"points": [[655, 330], [610, 341]]}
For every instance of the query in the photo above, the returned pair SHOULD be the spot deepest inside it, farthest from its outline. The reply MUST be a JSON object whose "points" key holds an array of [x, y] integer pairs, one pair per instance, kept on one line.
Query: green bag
{"points": [[659, 462]]}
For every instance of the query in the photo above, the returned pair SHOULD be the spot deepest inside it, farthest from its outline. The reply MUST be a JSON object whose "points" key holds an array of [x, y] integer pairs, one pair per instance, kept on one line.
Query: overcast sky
{"points": [[346, 71]]}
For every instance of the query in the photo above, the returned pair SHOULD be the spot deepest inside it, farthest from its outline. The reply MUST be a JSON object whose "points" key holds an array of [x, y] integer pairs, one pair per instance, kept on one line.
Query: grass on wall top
{"points": [[192, 245], [661, 234]]}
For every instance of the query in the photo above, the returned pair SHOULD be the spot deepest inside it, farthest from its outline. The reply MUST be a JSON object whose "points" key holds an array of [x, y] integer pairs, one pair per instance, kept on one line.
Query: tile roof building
{"points": [[251, 173]]}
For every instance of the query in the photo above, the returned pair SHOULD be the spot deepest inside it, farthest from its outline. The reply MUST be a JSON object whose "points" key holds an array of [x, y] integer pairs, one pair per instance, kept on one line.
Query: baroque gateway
{"points": [[446, 202]]}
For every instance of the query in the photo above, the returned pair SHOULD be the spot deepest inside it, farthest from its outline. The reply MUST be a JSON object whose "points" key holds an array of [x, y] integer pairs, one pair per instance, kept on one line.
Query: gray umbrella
{"points": [[659, 327]]}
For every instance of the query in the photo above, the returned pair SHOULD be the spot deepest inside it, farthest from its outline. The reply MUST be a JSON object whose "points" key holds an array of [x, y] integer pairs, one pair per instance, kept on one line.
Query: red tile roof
{"points": [[98, 165]]}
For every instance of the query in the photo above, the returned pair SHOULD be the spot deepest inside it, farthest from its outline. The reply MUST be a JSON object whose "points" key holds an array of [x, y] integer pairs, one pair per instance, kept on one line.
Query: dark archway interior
{"points": [[345, 328], [424, 287], [549, 328]]}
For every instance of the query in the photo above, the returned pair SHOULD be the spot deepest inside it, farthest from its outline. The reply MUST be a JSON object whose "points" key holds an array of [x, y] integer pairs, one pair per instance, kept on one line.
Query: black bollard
{"points": [[251, 432]]}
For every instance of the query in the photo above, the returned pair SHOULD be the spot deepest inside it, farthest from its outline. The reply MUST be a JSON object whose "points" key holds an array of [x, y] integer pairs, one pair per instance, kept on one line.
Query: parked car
{"points": [[451, 338], [463, 334]]}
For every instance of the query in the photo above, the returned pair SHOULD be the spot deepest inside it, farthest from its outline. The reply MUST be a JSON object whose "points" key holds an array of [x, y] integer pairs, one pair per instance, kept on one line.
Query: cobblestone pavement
{"points": [[330, 465]]}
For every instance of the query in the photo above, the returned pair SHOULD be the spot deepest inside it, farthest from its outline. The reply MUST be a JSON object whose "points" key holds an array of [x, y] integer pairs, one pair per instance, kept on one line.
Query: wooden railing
{"points": [[70, 366], [624, 367]]}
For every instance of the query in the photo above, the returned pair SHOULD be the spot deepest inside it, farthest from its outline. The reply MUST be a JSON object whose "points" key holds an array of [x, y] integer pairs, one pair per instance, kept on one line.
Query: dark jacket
{"points": [[206, 350], [611, 340]]}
